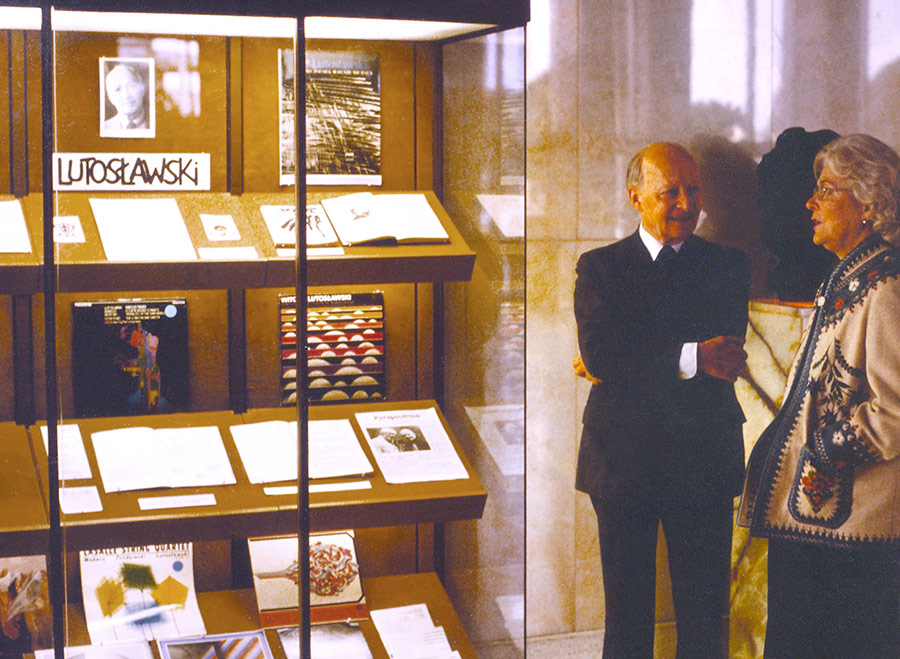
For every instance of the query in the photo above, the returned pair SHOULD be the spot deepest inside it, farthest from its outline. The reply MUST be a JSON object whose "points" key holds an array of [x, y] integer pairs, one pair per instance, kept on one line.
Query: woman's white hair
{"points": [[871, 171]]}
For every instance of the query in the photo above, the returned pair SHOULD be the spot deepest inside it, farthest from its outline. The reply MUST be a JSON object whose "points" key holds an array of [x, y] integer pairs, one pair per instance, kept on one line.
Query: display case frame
{"points": [[42, 274]]}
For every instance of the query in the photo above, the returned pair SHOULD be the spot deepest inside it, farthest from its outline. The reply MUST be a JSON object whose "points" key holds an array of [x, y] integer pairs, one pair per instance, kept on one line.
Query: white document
{"points": [[177, 501], [144, 458], [236, 253], [269, 450], [13, 230], [220, 227], [74, 500], [411, 446], [407, 632], [363, 217], [73, 460], [142, 230]]}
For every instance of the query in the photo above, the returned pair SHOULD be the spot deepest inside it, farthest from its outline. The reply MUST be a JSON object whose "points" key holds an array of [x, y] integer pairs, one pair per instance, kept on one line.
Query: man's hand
{"points": [[582, 372], [723, 357]]}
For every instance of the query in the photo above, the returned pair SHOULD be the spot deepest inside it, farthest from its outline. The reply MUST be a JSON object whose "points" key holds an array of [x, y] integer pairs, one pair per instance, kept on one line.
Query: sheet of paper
{"points": [[280, 490], [407, 632], [142, 230], [195, 457], [177, 501], [269, 450], [220, 227], [128, 459], [74, 500], [73, 460], [411, 446], [67, 229], [13, 230], [236, 253]]}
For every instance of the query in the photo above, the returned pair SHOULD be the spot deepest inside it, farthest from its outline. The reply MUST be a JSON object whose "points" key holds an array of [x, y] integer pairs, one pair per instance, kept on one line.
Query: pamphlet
{"points": [[335, 587], [268, 450], [411, 446], [73, 460], [140, 593], [364, 217], [142, 229], [13, 230], [141, 458], [24, 605], [238, 645]]}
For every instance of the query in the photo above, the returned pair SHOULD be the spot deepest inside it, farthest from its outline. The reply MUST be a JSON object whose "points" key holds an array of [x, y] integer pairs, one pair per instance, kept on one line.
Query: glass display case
{"points": [[187, 360]]}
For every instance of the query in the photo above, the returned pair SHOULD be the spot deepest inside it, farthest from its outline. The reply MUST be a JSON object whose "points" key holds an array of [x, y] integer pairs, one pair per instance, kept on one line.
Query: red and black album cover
{"points": [[129, 357], [345, 347]]}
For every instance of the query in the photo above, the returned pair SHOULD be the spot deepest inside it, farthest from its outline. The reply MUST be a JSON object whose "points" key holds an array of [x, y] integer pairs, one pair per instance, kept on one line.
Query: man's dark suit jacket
{"points": [[647, 431]]}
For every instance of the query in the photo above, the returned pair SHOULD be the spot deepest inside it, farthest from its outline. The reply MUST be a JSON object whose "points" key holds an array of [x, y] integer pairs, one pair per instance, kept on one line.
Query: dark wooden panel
{"points": [[5, 125], [7, 397]]}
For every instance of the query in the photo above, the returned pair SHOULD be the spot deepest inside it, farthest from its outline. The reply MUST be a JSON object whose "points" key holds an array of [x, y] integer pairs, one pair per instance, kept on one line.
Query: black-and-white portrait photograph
{"points": [[397, 439], [127, 97]]}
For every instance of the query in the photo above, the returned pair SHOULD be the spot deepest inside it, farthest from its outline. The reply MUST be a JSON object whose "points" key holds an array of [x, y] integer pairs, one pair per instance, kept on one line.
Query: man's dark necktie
{"points": [[666, 257]]}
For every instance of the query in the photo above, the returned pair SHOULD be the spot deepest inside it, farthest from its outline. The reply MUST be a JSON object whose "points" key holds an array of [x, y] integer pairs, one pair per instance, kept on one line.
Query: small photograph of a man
{"points": [[127, 97]]}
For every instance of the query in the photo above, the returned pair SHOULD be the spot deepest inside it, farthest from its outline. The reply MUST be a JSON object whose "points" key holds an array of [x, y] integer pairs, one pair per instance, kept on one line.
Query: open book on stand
{"points": [[363, 217]]}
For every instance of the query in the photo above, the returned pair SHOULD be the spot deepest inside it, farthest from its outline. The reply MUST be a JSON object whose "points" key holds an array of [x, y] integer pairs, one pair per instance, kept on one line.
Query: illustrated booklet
{"points": [[140, 593], [335, 588], [345, 348]]}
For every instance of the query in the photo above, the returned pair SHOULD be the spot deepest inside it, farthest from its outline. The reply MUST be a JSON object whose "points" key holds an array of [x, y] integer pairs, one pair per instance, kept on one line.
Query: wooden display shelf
{"points": [[83, 266], [235, 611], [22, 506], [244, 510]]}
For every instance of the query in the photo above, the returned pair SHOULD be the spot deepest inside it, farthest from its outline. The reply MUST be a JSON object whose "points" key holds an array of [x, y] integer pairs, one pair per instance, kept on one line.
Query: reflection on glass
{"points": [[484, 120], [177, 64]]}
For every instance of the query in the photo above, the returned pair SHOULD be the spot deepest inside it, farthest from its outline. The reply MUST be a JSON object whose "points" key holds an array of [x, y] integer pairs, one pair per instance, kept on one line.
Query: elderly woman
{"points": [[823, 481]]}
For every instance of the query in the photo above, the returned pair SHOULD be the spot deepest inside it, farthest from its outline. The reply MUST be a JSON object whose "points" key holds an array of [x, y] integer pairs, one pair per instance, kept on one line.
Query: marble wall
{"points": [[726, 78]]}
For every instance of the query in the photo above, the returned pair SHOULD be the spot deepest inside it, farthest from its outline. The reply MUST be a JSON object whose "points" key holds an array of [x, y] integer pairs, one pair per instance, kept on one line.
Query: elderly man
{"points": [[661, 318], [127, 92]]}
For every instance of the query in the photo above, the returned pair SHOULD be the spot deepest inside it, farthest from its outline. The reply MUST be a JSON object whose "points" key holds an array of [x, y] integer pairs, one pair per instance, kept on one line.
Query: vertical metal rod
{"points": [[55, 550], [300, 286]]}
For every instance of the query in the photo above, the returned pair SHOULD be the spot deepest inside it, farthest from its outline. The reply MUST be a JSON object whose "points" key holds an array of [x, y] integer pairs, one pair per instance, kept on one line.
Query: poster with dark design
{"points": [[130, 357], [25, 614], [335, 585], [343, 118], [345, 348]]}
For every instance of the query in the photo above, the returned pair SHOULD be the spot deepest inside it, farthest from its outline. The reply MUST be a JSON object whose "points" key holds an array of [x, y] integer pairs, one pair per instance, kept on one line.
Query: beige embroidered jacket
{"points": [[827, 467]]}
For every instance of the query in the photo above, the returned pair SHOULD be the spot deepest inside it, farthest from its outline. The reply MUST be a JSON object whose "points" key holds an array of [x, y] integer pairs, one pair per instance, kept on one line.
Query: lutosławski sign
{"points": [[130, 171]]}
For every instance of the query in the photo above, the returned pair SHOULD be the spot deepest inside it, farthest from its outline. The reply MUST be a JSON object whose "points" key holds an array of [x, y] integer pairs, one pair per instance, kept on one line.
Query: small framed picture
{"points": [[127, 97]]}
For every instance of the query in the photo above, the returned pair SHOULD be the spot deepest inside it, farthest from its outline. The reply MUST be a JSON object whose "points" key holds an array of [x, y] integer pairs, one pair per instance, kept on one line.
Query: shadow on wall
{"points": [[728, 176]]}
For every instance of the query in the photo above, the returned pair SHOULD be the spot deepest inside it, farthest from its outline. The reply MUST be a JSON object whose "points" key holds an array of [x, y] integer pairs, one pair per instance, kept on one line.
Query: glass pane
{"points": [[484, 365]]}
